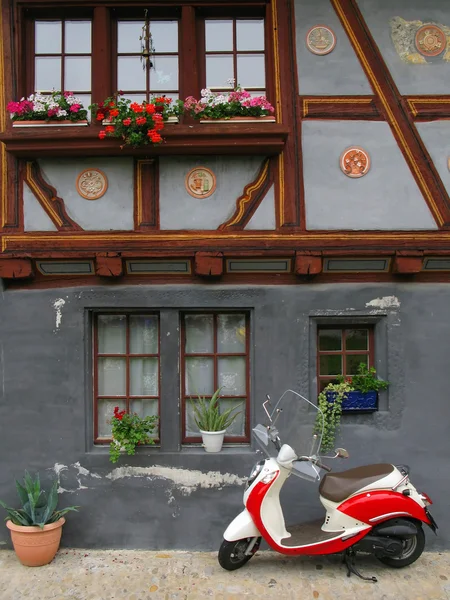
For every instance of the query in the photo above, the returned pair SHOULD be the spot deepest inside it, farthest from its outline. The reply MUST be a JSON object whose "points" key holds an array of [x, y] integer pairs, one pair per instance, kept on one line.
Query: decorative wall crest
{"points": [[354, 162], [430, 40], [415, 41], [200, 182], [92, 184], [320, 40]]}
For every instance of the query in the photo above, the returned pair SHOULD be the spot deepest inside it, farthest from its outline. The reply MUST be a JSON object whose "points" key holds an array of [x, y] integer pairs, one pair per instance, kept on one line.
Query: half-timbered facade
{"points": [[253, 256]]}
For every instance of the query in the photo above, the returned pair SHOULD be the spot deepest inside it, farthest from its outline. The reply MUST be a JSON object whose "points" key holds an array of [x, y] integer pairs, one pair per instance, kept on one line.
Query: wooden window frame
{"points": [[127, 397], [245, 439], [370, 352]]}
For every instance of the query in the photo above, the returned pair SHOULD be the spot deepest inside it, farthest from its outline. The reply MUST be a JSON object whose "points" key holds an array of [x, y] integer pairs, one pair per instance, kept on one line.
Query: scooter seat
{"points": [[339, 486]]}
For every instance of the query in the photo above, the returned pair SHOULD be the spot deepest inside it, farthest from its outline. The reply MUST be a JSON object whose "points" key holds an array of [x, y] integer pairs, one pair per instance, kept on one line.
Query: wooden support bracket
{"points": [[208, 264], [16, 268], [408, 263], [108, 264], [308, 263]]}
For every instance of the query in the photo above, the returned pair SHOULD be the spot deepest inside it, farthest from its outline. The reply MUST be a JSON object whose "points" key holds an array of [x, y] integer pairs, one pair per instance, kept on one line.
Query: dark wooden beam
{"points": [[146, 194], [427, 108], [340, 107], [406, 134]]}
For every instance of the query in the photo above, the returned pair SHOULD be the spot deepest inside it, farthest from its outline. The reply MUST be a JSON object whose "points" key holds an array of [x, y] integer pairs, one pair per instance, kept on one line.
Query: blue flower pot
{"points": [[367, 401]]}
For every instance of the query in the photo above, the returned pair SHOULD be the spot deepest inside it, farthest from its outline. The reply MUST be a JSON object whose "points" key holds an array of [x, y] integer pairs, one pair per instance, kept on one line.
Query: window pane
{"points": [[237, 427], [191, 425], [232, 376], [250, 34], [164, 35], [128, 34], [106, 413], [144, 376], [230, 333], [219, 35], [112, 334], [77, 73], [111, 377], [144, 335], [144, 407], [199, 334], [330, 339], [47, 74], [199, 376], [357, 339], [130, 74], [330, 364], [47, 37], [164, 76], [218, 69], [251, 70], [85, 101], [139, 98], [78, 37], [353, 361]]}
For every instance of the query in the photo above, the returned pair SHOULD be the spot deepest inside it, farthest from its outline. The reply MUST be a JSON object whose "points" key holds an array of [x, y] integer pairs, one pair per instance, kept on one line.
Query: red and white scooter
{"points": [[373, 509]]}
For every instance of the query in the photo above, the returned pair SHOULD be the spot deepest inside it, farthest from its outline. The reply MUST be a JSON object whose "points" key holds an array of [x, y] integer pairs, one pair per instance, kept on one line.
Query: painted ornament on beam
{"points": [[200, 182], [320, 40], [416, 41], [92, 184], [354, 162], [430, 40]]}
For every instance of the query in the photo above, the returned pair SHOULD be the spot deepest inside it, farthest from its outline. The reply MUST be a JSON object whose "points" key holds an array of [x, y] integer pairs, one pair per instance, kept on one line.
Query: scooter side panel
{"points": [[378, 506], [241, 527]]}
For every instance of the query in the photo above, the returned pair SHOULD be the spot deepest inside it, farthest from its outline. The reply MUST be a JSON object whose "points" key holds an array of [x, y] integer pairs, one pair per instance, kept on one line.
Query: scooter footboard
{"points": [[241, 527]]}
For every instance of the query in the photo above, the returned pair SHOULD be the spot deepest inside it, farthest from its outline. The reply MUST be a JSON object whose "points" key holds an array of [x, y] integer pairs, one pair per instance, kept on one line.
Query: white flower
{"points": [[61, 113], [38, 106], [221, 99], [231, 81], [206, 93]]}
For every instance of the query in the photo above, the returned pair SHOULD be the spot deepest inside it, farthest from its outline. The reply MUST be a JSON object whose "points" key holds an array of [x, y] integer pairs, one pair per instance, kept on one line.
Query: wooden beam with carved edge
{"points": [[340, 107], [406, 134], [427, 108], [47, 197], [146, 194], [251, 198]]}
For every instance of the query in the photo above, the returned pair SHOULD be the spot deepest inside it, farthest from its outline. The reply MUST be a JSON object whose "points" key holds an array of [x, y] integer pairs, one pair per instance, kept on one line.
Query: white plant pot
{"points": [[213, 440]]}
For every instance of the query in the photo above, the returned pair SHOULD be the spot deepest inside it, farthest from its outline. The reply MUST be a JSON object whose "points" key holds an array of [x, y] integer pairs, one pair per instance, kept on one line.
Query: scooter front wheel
{"points": [[412, 549], [232, 554]]}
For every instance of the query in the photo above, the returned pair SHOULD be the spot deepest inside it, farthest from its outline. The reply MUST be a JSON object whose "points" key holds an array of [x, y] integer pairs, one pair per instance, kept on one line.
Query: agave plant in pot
{"points": [[36, 527], [211, 422]]}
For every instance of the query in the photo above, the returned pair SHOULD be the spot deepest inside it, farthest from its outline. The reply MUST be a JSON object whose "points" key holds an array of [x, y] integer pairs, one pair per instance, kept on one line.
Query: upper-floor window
{"points": [[62, 57]]}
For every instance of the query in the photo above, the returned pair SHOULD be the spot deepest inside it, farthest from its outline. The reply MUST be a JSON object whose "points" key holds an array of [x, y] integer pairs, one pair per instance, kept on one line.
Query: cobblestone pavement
{"points": [[166, 575]]}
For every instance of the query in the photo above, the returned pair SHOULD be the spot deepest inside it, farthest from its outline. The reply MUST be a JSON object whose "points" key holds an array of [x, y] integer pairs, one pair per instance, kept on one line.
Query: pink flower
{"points": [[67, 94], [75, 108], [52, 112]]}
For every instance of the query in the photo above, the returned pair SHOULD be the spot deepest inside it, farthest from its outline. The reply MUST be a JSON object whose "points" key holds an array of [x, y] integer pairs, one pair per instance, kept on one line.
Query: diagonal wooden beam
{"points": [[400, 121]]}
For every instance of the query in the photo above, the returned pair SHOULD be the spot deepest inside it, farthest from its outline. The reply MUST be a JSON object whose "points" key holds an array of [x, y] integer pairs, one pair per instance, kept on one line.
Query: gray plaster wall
{"points": [[387, 197], [436, 135], [339, 72], [264, 216], [184, 498], [34, 216], [429, 78], [179, 210], [113, 211]]}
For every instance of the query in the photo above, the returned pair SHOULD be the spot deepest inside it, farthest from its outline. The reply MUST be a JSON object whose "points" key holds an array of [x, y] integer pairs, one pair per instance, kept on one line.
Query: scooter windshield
{"points": [[294, 421]]}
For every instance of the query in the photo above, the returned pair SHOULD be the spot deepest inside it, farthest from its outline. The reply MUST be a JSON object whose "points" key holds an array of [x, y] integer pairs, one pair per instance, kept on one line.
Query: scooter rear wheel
{"points": [[232, 554], [412, 549]]}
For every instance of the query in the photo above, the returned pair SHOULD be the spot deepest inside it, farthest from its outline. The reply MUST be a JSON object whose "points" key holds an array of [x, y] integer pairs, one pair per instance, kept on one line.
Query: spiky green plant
{"points": [[207, 413], [38, 508]]}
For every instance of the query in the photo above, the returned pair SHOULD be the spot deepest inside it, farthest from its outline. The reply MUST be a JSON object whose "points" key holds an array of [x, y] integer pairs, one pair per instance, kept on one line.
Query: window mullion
{"points": [[188, 53], [101, 75], [170, 390]]}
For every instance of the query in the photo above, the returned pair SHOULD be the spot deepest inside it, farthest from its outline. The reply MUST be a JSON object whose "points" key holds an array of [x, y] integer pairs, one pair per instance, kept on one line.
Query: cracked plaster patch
{"points": [[383, 303]]}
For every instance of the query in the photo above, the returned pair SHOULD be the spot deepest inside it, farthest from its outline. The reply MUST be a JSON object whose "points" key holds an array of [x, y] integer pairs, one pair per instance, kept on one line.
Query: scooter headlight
{"points": [[254, 473]]}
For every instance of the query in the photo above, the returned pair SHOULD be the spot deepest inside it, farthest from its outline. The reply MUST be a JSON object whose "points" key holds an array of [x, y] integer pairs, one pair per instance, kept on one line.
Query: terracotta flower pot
{"points": [[35, 546]]}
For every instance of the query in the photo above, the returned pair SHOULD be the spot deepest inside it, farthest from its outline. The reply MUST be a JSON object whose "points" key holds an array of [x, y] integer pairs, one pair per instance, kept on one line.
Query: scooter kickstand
{"points": [[349, 560]]}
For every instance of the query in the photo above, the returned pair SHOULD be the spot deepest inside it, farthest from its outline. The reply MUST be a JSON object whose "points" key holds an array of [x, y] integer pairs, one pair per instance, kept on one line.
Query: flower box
{"points": [[357, 401], [241, 120], [63, 123]]}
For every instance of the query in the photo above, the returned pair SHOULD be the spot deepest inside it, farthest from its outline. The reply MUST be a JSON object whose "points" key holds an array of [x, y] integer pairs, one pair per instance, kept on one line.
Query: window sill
{"points": [[246, 138]]}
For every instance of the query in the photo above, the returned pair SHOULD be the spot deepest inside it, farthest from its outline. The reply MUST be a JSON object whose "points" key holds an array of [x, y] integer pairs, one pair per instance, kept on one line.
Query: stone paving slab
{"points": [[167, 575]]}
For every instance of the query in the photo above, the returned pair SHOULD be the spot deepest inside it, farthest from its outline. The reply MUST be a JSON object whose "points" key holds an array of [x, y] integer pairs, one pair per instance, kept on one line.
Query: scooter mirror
{"points": [[341, 453]]}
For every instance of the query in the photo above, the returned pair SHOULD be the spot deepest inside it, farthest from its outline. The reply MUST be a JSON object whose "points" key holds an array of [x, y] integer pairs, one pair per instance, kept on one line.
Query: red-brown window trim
{"points": [[127, 356], [215, 355], [370, 352]]}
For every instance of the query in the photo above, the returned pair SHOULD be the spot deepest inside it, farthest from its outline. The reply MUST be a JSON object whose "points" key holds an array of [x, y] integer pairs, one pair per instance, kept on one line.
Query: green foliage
{"points": [[38, 507], [207, 413], [128, 431], [364, 381]]}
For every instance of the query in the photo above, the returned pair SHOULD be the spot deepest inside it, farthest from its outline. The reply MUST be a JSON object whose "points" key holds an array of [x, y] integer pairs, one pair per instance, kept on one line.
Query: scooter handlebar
{"points": [[322, 466]]}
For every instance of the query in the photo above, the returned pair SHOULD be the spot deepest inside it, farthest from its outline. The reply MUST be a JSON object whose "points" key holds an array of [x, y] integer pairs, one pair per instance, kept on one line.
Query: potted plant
{"points": [[211, 422], [128, 431], [55, 109], [36, 527], [134, 123], [356, 393], [223, 107]]}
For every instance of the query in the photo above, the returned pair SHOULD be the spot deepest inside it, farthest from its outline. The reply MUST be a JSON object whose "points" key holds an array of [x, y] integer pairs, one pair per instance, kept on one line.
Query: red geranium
{"points": [[141, 121], [102, 134]]}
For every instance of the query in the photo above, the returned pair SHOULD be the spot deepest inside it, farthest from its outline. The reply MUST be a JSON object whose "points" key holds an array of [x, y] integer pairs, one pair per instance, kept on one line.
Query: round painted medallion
{"points": [[430, 40], [320, 40], [200, 182], [92, 184], [354, 162]]}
